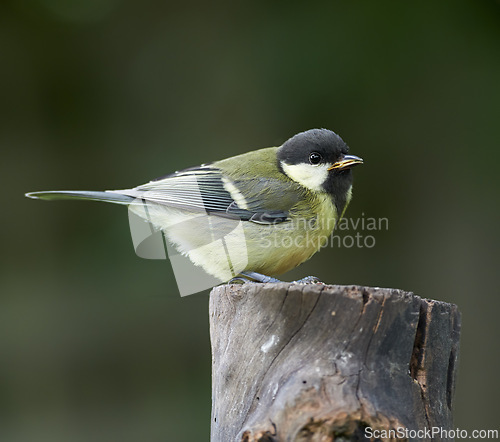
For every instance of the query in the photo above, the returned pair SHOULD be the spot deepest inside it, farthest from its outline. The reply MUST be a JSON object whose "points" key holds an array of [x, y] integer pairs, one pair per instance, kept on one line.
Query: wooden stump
{"points": [[297, 362]]}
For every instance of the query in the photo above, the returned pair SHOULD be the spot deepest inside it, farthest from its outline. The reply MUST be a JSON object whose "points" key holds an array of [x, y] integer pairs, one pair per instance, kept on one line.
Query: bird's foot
{"points": [[245, 277], [254, 277], [258, 277], [309, 280], [239, 280]]}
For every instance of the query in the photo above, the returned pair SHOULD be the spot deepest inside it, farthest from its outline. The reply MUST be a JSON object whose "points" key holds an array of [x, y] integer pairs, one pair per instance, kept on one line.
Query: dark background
{"points": [[95, 343]]}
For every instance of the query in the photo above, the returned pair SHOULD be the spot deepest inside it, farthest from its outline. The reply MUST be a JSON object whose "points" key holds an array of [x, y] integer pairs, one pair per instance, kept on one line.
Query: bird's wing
{"points": [[208, 189]]}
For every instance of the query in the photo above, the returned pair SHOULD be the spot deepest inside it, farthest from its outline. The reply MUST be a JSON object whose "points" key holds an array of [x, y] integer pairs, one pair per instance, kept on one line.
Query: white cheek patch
{"points": [[308, 175]]}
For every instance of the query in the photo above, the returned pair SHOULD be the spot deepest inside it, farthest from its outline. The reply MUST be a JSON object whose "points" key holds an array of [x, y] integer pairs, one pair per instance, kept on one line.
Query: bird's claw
{"points": [[239, 280], [308, 280]]}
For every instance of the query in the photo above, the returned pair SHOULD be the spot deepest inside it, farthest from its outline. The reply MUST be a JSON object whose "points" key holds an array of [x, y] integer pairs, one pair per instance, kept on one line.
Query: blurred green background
{"points": [[95, 343]]}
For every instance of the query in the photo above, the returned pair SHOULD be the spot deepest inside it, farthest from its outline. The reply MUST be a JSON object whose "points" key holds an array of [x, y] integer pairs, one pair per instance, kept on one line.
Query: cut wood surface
{"points": [[295, 362]]}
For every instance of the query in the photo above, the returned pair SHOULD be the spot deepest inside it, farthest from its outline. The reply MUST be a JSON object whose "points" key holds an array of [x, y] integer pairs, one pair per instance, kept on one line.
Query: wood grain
{"points": [[296, 362]]}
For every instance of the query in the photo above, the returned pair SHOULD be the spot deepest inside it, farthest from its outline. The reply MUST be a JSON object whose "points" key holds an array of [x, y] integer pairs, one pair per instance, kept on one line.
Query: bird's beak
{"points": [[346, 162]]}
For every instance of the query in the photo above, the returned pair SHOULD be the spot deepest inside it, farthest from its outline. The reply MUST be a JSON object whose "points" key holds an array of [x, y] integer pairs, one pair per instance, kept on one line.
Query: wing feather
{"points": [[207, 189]]}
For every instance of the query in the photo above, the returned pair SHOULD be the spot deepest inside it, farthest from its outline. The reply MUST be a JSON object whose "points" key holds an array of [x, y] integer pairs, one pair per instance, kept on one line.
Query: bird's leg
{"points": [[244, 277], [260, 278]]}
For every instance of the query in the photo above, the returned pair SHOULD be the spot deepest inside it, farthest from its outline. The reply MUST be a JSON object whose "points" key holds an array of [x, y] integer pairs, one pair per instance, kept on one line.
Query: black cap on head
{"points": [[325, 142], [309, 158]]}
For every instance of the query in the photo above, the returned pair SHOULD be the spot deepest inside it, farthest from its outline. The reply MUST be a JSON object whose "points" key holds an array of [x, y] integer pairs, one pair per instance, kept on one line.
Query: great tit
{"points": [[260, 213]]}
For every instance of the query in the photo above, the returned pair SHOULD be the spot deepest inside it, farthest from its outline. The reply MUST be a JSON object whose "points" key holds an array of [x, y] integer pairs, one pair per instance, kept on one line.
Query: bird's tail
{"points": [[106, 196]]}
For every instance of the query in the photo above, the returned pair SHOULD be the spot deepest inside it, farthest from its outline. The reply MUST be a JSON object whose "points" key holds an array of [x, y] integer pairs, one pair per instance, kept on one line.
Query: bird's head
{"points": [[318, 159]]}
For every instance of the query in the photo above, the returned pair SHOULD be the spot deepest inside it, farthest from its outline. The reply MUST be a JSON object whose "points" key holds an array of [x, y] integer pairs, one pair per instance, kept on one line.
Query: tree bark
{"points": [[295, 362]]}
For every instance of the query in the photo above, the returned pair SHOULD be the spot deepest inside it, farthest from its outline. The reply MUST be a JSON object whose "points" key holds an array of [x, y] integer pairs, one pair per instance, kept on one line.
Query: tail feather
{"points": [[107, 196]]}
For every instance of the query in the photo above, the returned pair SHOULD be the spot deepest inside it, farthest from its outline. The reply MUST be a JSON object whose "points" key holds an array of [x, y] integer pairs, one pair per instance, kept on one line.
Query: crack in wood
{"points": [[418, 357], [286, 343], [375, 328], [453, 358]]}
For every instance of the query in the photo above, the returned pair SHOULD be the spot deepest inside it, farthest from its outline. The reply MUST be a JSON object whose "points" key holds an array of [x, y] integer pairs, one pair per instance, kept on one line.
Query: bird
{"points": [[250, 217]]}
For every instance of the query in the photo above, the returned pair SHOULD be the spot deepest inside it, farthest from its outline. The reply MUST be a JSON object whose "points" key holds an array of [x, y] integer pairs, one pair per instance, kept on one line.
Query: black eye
{"points": [[315, 158]]}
